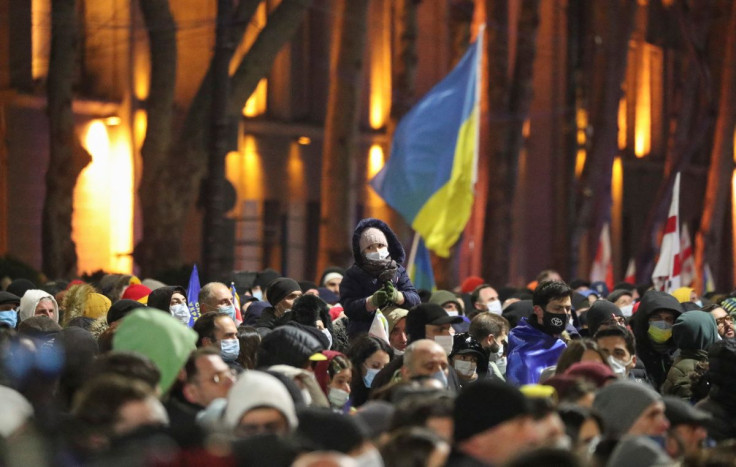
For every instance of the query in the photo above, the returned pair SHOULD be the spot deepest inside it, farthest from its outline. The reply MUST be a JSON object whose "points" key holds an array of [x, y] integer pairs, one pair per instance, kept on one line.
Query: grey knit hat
{"points": [[621, 403]]}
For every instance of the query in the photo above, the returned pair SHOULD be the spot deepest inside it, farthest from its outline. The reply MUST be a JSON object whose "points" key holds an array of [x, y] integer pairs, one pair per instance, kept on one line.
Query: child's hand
{"points": [[379, 299], [392, 293]]}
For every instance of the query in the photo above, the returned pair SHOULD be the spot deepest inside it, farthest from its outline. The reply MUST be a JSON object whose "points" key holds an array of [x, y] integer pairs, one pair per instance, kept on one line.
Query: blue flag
{"points": [[430, 174], [193, 296], [420, 272]]}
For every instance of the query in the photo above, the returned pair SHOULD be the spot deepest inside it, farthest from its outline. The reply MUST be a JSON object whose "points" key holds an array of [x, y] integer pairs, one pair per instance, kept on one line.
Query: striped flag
{"points": [[666, 276], [419, 266], [709, 282], [236, 304], [630, 276]]}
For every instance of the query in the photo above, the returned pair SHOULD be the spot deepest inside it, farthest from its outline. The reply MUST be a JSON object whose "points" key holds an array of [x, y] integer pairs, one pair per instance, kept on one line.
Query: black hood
{"points": [[652, 301], [395, 249], [161, 297]]}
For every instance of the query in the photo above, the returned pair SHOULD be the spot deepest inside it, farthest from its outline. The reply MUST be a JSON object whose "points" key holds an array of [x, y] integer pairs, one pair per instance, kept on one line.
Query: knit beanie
{"points": [[370, 236], [729, 305], [639, 451], [119, 309], [258, 389], [470, 283], [485, 404], [394, 316], [280, 288], [96, 306], [683, 294], [20, 286], [158, 336], [600, 312], [137, 292], [621, 403]]}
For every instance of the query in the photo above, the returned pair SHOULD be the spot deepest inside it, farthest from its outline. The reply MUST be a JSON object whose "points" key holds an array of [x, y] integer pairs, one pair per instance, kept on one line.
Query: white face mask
{"points": [[627, 310], [338, 398], [466, 369], [180, 312], [618, 367], [379, 255], [397, 352], [370, 458], [501, 365], [445, 342], [452, 313], [495, 307]]}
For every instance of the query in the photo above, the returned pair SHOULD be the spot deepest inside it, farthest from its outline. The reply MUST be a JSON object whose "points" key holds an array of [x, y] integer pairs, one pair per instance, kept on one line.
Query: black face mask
{"points": [[554, 323]]}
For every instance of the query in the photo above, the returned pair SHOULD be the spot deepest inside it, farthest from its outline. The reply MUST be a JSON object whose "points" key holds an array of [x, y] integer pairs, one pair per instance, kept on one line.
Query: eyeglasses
{"points": [[722, 321], [223, 375]]}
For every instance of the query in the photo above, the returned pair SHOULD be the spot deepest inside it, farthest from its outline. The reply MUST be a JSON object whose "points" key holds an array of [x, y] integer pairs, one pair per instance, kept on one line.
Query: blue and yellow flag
{"points": [[420, 270], [430, 175], [193, 296]]}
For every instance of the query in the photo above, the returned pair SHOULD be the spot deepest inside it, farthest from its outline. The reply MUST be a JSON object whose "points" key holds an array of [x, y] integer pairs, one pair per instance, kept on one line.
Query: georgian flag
{"points": [[602, 265], [687, 274], [630, 276], [666, 276]]}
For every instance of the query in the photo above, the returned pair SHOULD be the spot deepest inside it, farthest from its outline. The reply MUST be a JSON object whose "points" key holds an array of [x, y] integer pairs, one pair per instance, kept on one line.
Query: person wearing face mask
{"points": [[485, 298], [282, 293], [216, 297], [624, 300], [335, 377], [468, 359], [9, 304], [369, 355], [535, 343], [218, 330], [490, 331], [172, 299], [453, 305], [652, 328], [376, 280], [425, 358], [693, 333], [617, 344]]}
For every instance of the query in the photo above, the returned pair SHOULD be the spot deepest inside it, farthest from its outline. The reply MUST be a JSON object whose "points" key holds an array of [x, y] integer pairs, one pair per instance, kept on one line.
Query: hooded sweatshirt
{"points": [[693, 333], [161, 297], [358, 284], [29, 302], [657, 359]]}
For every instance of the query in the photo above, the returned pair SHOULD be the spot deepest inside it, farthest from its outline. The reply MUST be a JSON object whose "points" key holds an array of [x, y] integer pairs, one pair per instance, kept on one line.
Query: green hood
{"points": [[695, 330], [158, 336]]}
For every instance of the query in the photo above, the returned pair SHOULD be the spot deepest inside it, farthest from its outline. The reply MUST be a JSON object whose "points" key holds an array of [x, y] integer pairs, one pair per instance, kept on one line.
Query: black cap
{"points": [[427, 313], [20, 286], [679, 412], [7, 297], [485, 404]]}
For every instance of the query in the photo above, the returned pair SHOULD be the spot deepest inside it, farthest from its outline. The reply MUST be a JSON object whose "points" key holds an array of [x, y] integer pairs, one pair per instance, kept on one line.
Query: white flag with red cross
{"points": [[602, 270], [687, 273], [666, 276]]}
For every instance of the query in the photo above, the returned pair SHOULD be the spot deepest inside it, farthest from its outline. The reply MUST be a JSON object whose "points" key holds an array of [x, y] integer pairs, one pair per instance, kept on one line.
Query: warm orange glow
{"points": [[643, 127], [733, 210], [102, 224], [40, 37], [113, 121], [617, 195], [140, 123], [256, 103], [622, 124], [526, 128], [580, 162], [245, 171], [304, 140], [375, 205], [295, 172], [375, 160], [380, 64]]}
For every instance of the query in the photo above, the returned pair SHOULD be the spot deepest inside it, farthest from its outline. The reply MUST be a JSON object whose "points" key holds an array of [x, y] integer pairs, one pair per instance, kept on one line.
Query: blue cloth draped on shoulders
{"points": [[530, 352]]}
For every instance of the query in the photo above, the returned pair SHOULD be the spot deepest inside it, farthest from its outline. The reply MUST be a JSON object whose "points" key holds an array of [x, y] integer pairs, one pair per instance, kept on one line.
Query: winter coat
{"points": [[358, 284], [531, 351], [678, 382], [656, 360], [692, 333]]}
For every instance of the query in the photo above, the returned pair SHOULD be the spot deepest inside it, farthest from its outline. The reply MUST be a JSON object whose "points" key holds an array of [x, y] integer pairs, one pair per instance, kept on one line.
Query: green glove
{"points": [[379, 299], [391, 292]]}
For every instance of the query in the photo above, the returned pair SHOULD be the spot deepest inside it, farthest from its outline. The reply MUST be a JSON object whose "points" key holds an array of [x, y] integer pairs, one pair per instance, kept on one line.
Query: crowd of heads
{"points": [[361, 368]]}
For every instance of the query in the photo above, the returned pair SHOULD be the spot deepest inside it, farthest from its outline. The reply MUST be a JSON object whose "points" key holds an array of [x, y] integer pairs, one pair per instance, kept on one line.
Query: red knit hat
{"points": [[137, 292], [470, 283]]}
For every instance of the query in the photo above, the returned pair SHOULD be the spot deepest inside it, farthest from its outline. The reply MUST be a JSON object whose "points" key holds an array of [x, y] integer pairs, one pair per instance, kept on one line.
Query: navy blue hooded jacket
{"points": [[357, 284]]}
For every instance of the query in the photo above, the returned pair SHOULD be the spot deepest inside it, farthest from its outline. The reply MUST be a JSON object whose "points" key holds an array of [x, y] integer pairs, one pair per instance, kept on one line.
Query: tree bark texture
{"points": [[154, 257], [613, 24], [338, 195], [67, 158], [179, 186], [708, 240], [509, 108]]}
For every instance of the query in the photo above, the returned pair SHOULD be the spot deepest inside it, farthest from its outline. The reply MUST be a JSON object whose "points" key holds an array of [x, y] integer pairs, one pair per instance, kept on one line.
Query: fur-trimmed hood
{"points": [[395, 249]]}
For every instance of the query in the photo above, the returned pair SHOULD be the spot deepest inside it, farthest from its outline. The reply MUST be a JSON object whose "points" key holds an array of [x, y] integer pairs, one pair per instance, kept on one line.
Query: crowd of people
{"points": [[363, 369]]}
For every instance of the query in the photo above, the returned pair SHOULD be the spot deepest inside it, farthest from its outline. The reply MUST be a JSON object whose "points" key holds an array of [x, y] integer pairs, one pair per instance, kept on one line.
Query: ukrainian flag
{"points": [[430, 175], [420, 268]]}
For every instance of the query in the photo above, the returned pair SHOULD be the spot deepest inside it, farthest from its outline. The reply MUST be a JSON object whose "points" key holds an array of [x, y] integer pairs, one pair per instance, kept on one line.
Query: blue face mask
{"points": [[229, 349], [9, 317], [440, 376], [257, 294], [370, 373], [230, 310]]}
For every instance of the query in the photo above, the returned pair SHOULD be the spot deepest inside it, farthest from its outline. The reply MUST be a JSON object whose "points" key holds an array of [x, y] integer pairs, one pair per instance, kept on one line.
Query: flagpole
{"points": [[413, 251]]}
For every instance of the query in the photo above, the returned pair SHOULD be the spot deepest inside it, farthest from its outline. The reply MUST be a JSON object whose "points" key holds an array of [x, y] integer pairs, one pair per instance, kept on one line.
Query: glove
{"points": [[379, 299], [391, 292]]}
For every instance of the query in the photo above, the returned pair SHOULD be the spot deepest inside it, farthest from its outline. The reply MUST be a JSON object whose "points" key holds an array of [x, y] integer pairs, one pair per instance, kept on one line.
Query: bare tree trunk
{"points": [[179, 185], [338, 161], [152, 257], [67, 158], [509, 106], [693, 122], [708, 240], [616, 20]]}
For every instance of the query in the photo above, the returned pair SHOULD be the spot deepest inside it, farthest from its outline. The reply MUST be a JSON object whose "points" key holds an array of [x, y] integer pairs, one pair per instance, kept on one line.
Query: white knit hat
{"points": [[370, 236], [258, 389]]}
